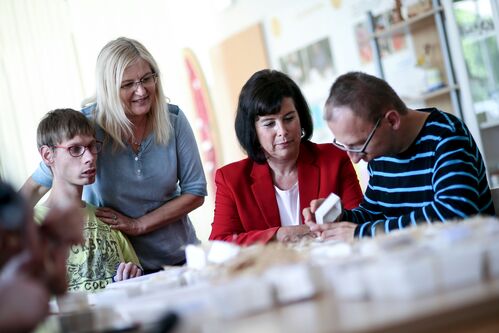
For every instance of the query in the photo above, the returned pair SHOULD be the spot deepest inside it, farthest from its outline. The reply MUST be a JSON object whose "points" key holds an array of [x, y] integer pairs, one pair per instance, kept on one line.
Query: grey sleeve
{"points": [[190, 169]]}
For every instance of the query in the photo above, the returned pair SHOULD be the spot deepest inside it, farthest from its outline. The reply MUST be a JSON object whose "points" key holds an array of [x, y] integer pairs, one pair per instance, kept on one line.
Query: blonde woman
{"points": [[149, 174]]}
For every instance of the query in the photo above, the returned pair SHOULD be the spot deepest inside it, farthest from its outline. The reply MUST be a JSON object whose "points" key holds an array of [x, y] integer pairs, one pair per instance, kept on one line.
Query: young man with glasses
{"points": [[67, 144], [424, 165]]}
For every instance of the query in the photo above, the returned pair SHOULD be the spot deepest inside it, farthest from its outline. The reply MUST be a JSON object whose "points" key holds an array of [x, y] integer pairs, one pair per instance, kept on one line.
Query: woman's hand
{"points": [[118, 221], [127, 271], [293, 233]]}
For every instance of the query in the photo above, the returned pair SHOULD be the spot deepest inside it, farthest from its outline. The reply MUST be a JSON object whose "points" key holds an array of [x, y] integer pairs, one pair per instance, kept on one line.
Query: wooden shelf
{"points": [[490, 124], [400, 26], [426, 29], [432, 94]]}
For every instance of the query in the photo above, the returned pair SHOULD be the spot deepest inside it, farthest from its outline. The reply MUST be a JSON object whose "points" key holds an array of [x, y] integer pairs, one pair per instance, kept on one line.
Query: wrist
{"points": [[140, 226]]}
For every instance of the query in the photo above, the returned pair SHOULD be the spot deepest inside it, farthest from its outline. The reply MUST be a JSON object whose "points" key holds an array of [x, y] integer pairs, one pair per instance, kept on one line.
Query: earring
{"points": [[302, 133]]}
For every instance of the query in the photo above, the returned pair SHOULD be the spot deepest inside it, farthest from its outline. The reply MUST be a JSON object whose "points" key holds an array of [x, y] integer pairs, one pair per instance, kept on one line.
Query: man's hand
{"points": [[309, 212], [337, 230], [127, 271]]}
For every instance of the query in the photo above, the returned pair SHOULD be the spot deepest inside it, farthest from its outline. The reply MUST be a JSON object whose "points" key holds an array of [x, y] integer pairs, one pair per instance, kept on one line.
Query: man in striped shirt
{"points": [[424, 165]]}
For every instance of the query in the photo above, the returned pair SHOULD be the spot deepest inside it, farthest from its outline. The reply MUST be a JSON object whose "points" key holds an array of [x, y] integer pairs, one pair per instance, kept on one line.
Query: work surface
{"points": [[469, 309], [433, 279]]}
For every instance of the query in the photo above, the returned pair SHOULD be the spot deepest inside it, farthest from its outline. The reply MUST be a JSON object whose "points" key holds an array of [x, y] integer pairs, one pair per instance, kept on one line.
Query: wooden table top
{"points": [[468, 309]]}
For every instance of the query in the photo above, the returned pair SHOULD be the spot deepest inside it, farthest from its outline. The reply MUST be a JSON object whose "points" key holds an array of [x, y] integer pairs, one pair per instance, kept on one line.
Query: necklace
{"points": [[137, 140]]}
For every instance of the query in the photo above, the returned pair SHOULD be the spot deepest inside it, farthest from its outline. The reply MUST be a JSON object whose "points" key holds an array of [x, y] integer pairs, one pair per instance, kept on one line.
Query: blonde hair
{"points": [[110, 114]]}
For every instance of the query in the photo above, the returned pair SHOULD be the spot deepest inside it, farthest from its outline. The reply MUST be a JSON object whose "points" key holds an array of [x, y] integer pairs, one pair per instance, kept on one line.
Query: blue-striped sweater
{"points": [[440, 177]]}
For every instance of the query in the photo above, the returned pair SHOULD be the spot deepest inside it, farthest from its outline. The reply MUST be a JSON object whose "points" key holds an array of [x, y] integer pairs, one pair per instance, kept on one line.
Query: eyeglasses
{"points": [[78, 150], [148, 81], [361, 150]]}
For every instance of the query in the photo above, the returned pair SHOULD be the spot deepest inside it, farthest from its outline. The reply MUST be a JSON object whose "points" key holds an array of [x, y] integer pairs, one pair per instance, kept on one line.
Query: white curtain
{"points": [[39, 71]]}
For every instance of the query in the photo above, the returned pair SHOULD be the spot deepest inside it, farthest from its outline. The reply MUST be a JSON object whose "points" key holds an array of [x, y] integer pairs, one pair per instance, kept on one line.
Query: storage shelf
{"points": [[400, 26], [432, 94], [426, 28], [490, 124]]}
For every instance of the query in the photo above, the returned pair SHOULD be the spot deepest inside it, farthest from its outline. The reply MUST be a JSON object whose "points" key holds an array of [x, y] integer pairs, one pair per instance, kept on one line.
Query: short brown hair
{"points": [[368, 96], [60, 125]]}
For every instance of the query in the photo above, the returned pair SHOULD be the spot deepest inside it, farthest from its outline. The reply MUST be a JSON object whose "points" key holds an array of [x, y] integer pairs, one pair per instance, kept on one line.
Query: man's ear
{"points": [[393, 118], [47, 155]]}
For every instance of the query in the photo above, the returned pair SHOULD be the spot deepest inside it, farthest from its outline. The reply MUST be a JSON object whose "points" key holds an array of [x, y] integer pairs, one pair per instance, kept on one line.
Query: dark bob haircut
{"points": [[262, 95]]}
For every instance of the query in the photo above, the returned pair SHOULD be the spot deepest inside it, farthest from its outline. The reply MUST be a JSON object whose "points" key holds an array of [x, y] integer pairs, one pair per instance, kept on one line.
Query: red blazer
{"points": [[246, 208]]}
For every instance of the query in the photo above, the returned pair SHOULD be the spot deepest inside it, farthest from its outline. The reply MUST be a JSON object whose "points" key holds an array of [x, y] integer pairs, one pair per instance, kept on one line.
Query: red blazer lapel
{"points": [[308, 176], [264, 194]]}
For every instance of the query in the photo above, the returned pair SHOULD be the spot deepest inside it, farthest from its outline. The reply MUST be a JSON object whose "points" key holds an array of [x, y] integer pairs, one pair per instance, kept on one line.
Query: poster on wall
{"points": [[299, 44], [206, 124], [310, 63]]}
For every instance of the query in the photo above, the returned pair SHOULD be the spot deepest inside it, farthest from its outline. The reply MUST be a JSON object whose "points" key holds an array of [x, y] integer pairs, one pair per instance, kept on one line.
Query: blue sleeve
{"points": [[190, 169], [457, 175], [43, 175]]}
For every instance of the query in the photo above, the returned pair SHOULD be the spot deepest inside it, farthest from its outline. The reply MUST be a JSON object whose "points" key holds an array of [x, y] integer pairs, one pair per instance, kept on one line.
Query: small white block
{"points": [[329, 210], [220, 252], [291, 282], [195, 257]]}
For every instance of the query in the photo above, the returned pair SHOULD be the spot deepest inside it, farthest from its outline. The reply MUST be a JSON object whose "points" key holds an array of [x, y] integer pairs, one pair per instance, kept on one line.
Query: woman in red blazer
{"points": [[260, 198]]}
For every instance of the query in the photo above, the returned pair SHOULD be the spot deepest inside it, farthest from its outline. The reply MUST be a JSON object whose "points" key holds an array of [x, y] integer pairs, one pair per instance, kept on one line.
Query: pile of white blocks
{"points": [[403, 265], [416, 262]]}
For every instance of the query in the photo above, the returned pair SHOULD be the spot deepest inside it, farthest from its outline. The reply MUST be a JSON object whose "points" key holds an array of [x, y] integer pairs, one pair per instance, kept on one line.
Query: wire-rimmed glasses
{"points": [[361, 150], [147, 81]]}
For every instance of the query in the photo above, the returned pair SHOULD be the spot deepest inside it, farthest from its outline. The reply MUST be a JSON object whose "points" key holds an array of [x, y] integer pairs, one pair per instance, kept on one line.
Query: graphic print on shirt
{"points": [[92, 265]]}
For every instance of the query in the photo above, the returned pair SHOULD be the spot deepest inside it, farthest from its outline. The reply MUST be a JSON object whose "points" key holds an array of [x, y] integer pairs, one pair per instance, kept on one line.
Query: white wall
{"points": [[48, 50]]}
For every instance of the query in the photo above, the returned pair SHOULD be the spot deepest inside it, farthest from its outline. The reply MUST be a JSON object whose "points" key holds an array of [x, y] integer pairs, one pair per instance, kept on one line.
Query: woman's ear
{"points": [[393, 118], [47, 155]]}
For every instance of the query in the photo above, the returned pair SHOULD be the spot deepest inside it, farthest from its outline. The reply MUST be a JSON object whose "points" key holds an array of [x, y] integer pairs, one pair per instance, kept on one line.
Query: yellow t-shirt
{"points": [[92, 265]]}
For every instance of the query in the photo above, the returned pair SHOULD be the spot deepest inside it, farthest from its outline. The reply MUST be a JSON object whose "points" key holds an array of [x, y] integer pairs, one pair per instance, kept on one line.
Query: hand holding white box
{"points": [[329, 210]]}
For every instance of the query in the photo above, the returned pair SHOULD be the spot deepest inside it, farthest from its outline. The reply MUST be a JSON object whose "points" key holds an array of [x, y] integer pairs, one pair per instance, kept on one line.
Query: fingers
{"points": [[343, 231], [107, 215], [314, 204], [314, 227], [308, 213], [135, 271], [127, 271], [308, 216], [119, 272]]}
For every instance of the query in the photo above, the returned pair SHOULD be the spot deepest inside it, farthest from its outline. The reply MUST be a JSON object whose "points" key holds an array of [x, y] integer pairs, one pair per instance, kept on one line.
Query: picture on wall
{"points": [[391, 44], [309, 63], [363, 43]]}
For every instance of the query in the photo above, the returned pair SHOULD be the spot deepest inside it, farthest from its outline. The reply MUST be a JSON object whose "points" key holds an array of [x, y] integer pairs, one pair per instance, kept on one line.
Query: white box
{"points": [[460, 265], [329, 210], [291, 282], [401, 276]]}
